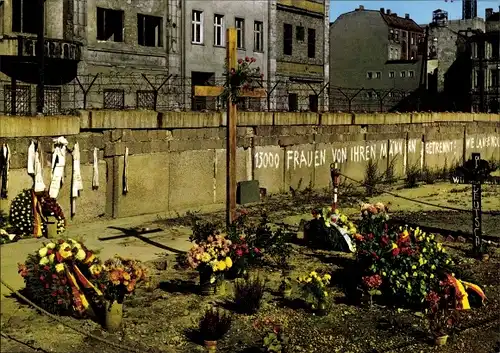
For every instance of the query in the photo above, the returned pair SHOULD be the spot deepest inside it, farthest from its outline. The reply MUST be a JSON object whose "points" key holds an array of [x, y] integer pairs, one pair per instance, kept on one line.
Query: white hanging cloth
{"points": [[31, 158], [58, 163], [4, 170], [95, 174], [76, 180], [39, 184], [125, 172]]}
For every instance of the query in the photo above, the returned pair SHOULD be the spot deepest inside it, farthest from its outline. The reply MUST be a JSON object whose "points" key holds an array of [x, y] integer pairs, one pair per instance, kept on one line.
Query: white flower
{"points": [[80, 255], [44, 260], [50, 246], [42, 252]]}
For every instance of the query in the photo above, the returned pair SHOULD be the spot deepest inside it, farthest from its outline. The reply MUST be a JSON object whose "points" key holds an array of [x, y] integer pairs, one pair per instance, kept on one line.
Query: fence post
{"points": [[335, 174]]}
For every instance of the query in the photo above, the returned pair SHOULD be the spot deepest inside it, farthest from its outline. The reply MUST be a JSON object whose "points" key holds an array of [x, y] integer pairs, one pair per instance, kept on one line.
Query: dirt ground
{"points": [[159, 320]]}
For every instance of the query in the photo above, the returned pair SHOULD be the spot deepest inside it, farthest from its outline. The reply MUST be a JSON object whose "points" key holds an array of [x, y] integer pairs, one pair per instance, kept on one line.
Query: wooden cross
{"points": [[216, 91]]}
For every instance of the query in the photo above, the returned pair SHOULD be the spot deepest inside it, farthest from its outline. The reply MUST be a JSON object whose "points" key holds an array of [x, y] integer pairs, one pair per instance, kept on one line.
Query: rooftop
{"points": [[395, 21]]}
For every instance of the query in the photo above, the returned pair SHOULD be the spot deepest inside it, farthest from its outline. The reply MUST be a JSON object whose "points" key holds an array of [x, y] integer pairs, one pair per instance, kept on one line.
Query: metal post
{"points": [[40, 54], [231, 133], [13, 96], [335, 174], [476, 205]]}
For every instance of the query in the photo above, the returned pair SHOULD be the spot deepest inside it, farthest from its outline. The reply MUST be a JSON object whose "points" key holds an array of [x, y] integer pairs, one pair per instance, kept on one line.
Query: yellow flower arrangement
{"points": [[315, 285]]}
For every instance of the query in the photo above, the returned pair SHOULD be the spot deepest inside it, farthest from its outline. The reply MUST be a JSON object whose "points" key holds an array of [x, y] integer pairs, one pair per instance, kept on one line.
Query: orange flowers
{"points": [[123, 276]]}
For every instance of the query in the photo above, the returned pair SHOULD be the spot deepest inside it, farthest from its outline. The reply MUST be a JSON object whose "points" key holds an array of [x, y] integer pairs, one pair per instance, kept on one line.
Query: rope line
{"points": [[494, 213], [59, 320]]}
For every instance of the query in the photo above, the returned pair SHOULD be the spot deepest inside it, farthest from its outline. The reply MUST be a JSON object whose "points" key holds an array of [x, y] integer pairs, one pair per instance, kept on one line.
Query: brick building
{"points": [[375, 59]]}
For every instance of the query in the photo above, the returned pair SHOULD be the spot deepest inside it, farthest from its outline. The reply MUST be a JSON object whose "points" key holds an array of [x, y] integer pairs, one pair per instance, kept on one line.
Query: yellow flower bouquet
{"points": [[314, 286]]}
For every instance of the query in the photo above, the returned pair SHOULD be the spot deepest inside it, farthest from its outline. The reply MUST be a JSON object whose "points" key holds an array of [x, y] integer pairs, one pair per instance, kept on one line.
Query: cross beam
{"points": [[216, 91]]}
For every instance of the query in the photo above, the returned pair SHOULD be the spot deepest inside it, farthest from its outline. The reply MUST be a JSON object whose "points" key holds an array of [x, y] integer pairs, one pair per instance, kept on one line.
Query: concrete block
{"points": [[32, 126], [244, 142], [397, 118], [190, 119], [302, 118], [265, 140], [140, 135], [242, 167], [184, 145], [211, 144], [114, 149], [420, 118], [336, 119], [268, 168], [84, 116], [254, 118], [116, 135], [123, 119]]}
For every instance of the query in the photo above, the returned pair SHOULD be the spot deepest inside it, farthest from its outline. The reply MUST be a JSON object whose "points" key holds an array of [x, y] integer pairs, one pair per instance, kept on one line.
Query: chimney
{"points": [[361, 7], [407, 16], [382, 10], [488, 13], [394, 14], [388, 12]]}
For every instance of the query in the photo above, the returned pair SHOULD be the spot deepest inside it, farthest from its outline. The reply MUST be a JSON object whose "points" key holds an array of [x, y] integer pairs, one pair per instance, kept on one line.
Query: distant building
{"points": [[377, 51]]}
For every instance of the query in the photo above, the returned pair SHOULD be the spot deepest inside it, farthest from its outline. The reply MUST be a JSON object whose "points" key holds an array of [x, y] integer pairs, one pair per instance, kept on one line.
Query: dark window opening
{"points": [[149, 30], [18, 100], [300, 33], [52, 101], [203, 79], [146, 99], [109, 25], [24, 19], [114, 99], [313, 103], [293, 102], [287, 39], [311, 43]]}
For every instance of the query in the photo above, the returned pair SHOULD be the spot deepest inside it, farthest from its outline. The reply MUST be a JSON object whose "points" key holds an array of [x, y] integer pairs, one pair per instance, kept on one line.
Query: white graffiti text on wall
{"points": [[301, 159], [267, 160], [482, 142]]}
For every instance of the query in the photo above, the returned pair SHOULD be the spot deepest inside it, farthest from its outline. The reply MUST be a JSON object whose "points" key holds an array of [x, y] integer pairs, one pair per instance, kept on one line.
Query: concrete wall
{"points": [[177, 160]]}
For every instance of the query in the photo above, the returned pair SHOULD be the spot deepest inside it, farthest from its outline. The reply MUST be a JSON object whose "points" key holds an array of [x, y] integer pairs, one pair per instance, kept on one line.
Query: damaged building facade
{"points": [[149, 54]]}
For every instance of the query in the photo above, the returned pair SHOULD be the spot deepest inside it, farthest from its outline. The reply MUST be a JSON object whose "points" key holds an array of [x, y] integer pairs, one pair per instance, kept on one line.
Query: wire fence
{"points": [[174, 93]]}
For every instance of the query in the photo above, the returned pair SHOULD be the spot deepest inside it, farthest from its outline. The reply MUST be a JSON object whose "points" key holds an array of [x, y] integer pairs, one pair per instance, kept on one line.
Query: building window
{"points": [[495, 76], [403, 74], [411, 73], [378, 74], [313, 103], [258, 36], [396, 54], [392, 74], [24, 19], [52, 101], [311, 42], [109, 25], [369, 94], [114, 99], [197, 27], [300, 33], [17, 101], [287, 39], [218, 30], [369, 75], [149, 30], [146, 99], [293, 102], [240, 33]]}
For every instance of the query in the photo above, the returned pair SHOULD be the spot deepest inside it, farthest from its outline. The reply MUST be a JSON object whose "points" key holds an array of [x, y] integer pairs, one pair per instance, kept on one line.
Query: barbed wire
{"points": [[162, 92], [59, 320]]}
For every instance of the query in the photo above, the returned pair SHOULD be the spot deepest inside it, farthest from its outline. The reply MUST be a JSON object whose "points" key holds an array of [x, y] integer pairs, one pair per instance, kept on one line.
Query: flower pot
{"points": [[51, 227], [206, 288], [113, 316], [441, 340], [211, 346]]}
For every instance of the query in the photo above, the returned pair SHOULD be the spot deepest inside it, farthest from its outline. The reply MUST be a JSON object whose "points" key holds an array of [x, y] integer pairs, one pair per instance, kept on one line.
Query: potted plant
{"points": [[213, 326], [211, 259], [241, 78], [248, 294], [122, 278], [442, 317], [314, 286], [372, 284]]}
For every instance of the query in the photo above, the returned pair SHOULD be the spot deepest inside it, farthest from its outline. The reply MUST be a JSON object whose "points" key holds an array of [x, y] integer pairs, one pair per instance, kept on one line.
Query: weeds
{"points": [[214, 324], [412, 176], [390, 173], [248, 295], [372, 178]]}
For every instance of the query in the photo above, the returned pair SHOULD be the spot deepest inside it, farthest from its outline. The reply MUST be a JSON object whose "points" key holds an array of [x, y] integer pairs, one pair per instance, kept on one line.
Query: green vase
{"points": [[206, 287], [113, 316]]}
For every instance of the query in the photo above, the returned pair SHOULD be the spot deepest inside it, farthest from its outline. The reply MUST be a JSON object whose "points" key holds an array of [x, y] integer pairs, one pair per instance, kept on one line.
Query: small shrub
{"points": [[372, 178], [214, 325], [429, 175], [390, 173], [202, 229], [412, 176], [248, 295]]}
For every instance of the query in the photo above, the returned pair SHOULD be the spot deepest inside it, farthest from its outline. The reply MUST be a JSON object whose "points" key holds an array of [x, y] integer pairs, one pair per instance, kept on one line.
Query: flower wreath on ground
{"points": [[61, 277], [29, 212], [331, 229]]}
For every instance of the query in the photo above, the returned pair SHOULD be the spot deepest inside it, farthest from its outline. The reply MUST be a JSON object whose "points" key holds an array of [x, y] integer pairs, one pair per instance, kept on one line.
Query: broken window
{"points": [[311, 43], [287, 39], [240, 33], [300, 33], [109, 25], [24, 19], [149, 30], [197, 27], [293, 102], [258, 36], [219, 30]]}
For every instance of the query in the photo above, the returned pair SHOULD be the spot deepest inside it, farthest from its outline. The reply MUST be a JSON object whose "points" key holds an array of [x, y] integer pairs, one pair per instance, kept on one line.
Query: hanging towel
{"points": [[95, 175], [58, 163], [31, 158], [4, 170], [76, 180], [39, 184], [125, 172]]}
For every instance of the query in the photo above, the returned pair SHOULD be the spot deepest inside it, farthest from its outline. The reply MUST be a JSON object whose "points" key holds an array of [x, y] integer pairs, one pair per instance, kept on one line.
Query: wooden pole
{"points": [[231, 133]]}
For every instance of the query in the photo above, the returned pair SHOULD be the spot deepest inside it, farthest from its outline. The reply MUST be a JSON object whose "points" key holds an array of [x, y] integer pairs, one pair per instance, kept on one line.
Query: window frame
{"points": [[104, 28], [311, 45], [197, 23], [219, 27], [392, 74], [411, 73], [239, 24], [258, 36], [402, 74], [286, 40], [158, 40]]}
